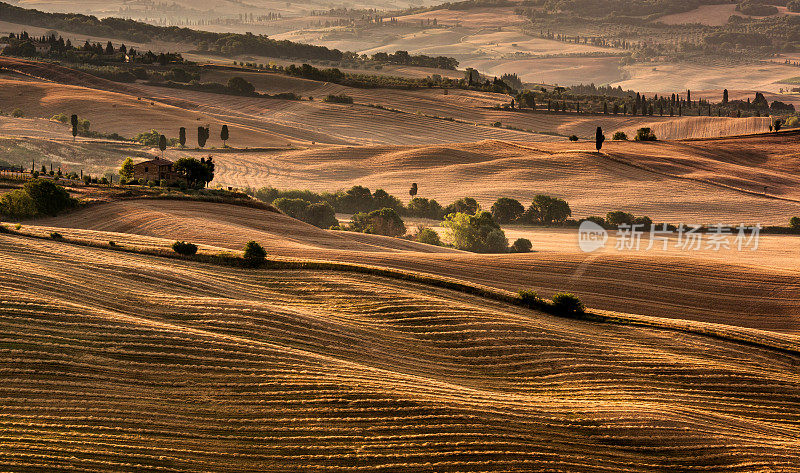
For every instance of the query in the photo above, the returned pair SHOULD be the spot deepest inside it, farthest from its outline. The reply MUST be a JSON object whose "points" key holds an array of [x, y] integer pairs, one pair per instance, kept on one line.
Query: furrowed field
{"points": [[136, 363]]}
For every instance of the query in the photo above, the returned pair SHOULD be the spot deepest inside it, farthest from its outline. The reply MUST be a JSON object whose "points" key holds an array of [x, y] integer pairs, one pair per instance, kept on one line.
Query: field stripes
{"points": [[134, 363]]}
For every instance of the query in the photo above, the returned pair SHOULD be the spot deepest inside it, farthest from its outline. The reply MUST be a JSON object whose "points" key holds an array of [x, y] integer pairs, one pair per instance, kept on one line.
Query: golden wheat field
{"points": [[709, 181], [378, 117], [755, 291], [115, 361], [123, 351]]}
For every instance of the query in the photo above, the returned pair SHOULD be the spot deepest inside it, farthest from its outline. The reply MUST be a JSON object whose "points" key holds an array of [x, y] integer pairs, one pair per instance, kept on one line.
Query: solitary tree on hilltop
{"points": [[182, 136], [725, 97], [599, 139], [201, 136], [74, 120], [223, 135], [413, 191]]}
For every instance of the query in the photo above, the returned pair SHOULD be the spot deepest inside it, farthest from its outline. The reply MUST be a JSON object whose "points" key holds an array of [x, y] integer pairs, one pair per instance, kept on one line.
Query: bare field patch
{"points": [[668, 78], [472, 18], [701, 127], [713, 15], [561, 71]]}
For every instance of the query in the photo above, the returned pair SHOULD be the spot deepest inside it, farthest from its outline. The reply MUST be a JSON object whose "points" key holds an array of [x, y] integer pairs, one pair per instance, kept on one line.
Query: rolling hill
{"points": [[378, 117], [706, 181], [137, 363], [758, 294]]}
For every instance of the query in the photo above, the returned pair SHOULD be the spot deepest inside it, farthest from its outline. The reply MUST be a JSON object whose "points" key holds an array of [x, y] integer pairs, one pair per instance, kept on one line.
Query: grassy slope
{"points": [[193, 367], [664, 285], [698, 181], [258, 122]]}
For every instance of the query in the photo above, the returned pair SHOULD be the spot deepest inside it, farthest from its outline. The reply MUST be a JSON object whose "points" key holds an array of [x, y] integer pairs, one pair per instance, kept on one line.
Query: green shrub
{"points": [[618, 217], [567, 304], [17, 204], [598, 220], [522, 245], [379, 222], [239, 85], [506, 210], [529, 298], [338, 99], [467, 205], [547, 210], [183, 248], [60, 117], [321, 215], [295, 208], [573, 138], [794, 222], [424, 208], [645, 134], [148, 138], [428, 236], [112, 243], [56, 236], [478, 233], [620, 136], [17, 113], [49, 198], [254, 254], [496, 241]]}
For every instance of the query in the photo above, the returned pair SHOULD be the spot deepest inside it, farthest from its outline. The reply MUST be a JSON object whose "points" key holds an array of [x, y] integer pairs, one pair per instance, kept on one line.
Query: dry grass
{"points": [[709, 181], [134, 363], [473, 18], [690, 286]]}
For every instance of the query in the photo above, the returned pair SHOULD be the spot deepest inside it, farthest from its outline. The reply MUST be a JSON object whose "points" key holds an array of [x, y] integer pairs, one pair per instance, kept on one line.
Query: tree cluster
{"points": [[198, 173]]}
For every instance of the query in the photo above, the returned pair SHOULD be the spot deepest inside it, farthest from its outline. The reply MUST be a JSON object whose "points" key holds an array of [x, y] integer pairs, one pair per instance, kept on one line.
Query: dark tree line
{"points": [[223, 43]]}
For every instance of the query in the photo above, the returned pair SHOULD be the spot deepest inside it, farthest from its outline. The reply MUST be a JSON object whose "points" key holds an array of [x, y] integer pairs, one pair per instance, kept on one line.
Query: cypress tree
{"points": [[223, 135], [74, 120], [599, 138]]}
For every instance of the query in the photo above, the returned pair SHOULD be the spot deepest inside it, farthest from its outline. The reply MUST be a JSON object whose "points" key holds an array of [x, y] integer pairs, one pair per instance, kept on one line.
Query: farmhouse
{"points": [[157, 169]]}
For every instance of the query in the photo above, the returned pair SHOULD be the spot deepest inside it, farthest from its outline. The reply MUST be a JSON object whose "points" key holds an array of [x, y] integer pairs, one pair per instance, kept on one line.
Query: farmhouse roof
{"points": [[157, 162]]}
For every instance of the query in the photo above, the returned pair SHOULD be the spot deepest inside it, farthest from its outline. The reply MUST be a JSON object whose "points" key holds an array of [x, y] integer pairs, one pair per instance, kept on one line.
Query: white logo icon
{"points": [[591, 236]]}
